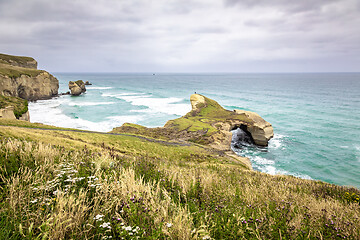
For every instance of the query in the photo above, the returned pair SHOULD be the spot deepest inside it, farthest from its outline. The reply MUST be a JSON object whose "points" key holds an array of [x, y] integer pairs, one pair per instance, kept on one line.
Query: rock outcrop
{"points": [[77, 87], [88, 83], [20, 78], [7, 113], [209, 124], [14, 108]]}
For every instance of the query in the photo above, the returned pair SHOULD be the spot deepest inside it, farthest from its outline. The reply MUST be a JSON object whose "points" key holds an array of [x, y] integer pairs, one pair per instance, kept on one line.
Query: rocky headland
{"points": [[211, 125], [20, 81], [19, 77]]}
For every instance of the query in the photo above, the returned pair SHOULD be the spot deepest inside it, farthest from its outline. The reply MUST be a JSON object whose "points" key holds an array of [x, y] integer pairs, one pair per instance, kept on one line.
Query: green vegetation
{"points": [[4, 58], [20, 105], [15, 72], [59, 184]]}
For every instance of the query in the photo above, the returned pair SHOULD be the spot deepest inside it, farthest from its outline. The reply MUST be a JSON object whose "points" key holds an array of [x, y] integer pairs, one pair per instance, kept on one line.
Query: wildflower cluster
{"points": [[352, 197], [127, 232], [104, 228]]}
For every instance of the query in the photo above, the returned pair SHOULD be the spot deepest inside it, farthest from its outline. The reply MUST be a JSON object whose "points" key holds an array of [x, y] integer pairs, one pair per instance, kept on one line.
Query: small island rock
{"points": [[77, 87]]}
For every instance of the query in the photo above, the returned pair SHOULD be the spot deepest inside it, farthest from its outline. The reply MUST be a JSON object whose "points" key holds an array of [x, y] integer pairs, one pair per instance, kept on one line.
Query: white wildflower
{"points": [[206, 237], [169, 225], [128, 228], [98, 217], [105, 225], [34, 201]]}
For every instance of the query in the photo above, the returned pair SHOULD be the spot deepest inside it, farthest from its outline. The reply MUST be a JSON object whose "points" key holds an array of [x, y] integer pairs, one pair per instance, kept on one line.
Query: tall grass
{"points": [[120, 191]]}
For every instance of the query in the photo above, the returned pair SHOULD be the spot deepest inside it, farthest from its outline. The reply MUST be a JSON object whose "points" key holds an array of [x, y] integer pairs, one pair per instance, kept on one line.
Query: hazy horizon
{"points": [[228, 36]]}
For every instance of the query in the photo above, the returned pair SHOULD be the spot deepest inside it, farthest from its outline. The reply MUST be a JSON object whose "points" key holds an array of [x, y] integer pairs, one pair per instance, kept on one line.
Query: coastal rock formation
{"points": [[14, 108], [88, 83], [211, 125], [260, 130], [20, 78], [7, 113], [77, 87]]}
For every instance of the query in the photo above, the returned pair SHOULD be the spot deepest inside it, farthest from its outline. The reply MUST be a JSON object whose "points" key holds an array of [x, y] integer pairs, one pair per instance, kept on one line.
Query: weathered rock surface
{"points": [[42, 86], [214, 124], [261, 131], [7, 113], [20, 78], [25, 116], [77, 87]]}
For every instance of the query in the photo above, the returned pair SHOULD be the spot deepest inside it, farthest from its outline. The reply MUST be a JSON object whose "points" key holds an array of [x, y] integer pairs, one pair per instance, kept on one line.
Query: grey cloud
{"points": [[285, 5]]}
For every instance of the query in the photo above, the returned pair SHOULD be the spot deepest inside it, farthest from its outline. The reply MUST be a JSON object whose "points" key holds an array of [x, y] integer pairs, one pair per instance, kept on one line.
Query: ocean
{"points": [[316, 116]]}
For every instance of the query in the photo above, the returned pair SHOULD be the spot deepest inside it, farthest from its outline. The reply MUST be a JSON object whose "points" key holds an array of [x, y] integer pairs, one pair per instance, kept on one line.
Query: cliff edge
{"points": [[19, 77]]}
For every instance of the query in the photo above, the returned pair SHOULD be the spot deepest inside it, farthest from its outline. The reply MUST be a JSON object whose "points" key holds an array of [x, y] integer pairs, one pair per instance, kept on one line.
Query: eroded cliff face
{"points": [[42, 86], [20, 78]]}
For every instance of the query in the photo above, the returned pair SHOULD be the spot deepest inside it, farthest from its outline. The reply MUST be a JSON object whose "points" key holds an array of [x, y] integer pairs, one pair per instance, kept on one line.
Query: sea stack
{"points": [[77, 87]]}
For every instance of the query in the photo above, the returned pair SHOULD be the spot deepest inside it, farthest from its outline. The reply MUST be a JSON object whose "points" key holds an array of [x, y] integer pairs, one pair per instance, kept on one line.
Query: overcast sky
{"points": [[184, 35]]}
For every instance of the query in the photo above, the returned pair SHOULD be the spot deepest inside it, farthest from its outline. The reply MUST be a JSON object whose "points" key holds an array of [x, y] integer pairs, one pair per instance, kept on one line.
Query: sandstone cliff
{"points": [[20, 78]]}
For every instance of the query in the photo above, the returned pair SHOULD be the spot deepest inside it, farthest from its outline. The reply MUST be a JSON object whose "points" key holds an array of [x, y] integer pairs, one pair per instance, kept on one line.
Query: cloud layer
{"points": [[183, 35]]}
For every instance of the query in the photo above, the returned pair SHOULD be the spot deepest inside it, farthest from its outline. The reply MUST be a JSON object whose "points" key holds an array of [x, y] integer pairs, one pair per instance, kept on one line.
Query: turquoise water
{"points": [[316, 117]]}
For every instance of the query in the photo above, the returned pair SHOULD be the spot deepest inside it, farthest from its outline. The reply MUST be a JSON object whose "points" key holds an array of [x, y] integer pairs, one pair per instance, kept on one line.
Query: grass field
{"points": [[58, 184]]}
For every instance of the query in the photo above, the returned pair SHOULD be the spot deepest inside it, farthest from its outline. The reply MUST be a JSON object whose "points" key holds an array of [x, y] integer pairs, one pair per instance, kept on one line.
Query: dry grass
{"points": [[76, 185]]}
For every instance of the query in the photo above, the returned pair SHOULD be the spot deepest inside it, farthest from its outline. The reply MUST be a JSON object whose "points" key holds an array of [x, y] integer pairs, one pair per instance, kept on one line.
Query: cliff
{"points": [[19, 77]]}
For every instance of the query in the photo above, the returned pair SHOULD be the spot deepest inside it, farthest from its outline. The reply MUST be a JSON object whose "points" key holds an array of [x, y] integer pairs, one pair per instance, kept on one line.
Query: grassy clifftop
{"points": [[78, 185], [15, 72]]}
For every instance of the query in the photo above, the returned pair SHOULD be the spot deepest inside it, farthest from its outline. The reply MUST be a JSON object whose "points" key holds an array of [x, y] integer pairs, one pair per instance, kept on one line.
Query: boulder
{"points": [[7, 113], [25, 116], [77, 87], [88, 83]]}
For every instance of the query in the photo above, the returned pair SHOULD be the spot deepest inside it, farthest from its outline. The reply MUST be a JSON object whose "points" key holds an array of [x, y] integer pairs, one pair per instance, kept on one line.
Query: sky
{"points": [[184, 35]]}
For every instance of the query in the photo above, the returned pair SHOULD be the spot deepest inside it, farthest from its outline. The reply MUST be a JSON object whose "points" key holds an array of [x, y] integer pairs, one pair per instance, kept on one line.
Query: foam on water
{"points": [[49, 112], [276, 141], [89, 103], [169, 105], [98, 88]]}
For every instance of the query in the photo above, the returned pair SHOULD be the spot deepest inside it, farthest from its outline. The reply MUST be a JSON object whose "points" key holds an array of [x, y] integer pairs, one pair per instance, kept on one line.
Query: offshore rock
{"points": [[77, 87]]}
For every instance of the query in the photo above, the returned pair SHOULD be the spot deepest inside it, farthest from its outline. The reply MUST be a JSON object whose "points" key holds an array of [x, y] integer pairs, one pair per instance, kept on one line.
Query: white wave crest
{"points": [[98, 88], [89, 103], [169, 105], [48, 112], [276, 142]]}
